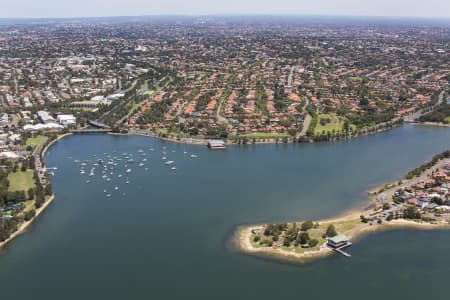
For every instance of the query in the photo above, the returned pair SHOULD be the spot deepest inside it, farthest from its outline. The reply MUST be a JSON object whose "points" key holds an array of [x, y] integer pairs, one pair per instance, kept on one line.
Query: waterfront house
{"points": [[338, 241], [216, 144]]}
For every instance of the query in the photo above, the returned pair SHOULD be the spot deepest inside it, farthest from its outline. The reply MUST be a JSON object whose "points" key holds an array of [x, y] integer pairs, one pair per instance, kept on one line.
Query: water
{"points": [[167, 237]]}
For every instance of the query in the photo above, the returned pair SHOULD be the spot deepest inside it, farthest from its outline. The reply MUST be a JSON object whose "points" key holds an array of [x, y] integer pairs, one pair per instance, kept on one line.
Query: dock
{"points": [[342, 252]]}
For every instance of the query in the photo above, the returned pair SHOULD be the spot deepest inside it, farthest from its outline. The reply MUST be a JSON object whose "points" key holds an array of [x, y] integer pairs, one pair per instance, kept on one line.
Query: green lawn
{"points": [[447, 119], [336, 123], [34, 141], [21, 181], [358, 79]]}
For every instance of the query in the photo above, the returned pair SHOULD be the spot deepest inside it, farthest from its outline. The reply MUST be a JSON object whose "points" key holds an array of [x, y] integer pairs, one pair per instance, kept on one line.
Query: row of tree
{"points": [[419, 170]]}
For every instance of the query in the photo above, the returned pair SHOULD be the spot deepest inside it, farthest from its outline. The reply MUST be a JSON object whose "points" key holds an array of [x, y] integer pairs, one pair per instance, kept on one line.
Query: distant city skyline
{"points": [[106, 8]]}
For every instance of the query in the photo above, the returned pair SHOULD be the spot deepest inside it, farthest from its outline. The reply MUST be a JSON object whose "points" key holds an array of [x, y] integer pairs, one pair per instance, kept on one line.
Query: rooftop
{"points": [[340, 238]]}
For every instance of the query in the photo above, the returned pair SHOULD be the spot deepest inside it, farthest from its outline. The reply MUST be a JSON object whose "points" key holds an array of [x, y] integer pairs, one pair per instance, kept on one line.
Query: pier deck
{"points": [[342, 252]]}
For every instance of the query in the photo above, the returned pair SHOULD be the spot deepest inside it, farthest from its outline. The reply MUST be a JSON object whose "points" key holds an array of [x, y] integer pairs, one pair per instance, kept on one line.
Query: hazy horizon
{"points": [[132, 8]]}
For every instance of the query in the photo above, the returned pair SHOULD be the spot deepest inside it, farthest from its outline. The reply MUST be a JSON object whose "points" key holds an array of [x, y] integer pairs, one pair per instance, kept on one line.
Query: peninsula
{"points": [[25, 189], [420, 201]]}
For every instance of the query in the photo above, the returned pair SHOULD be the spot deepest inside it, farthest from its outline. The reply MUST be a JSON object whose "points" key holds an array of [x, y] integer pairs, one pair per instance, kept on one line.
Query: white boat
{"points": [[88, 181], [128, 170], [164, 158], [169, 162], [141, 164], [193, 156], [109, 195], [116, 188], [173, 168], [120, 175]]}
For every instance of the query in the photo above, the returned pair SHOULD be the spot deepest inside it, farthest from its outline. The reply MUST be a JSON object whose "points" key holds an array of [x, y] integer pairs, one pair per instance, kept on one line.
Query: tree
{"points": [[437, 200], [287, 242], [312, 243], [304, 238], [331, 231], [389, 217], [29, 215], [40, 199], [48, 190], [411, 213], [31, 192], [307, 225]]}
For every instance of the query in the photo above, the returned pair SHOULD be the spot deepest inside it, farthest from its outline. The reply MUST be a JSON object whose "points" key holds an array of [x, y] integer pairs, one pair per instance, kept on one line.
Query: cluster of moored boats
{"points": [[117, 167]]}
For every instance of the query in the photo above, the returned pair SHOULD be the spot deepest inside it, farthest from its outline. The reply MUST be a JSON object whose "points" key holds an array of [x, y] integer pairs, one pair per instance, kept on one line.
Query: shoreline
{"points": [[49, 145], [25, 225], [259, 141], [351, 223], [432, 124]]}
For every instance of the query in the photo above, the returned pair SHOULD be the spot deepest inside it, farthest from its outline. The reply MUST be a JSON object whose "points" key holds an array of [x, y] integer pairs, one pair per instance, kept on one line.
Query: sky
{"points": [[101, 8]]}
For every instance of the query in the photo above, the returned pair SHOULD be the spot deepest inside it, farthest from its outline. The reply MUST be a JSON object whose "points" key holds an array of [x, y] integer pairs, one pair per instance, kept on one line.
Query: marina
{"points": [[112, 165]]}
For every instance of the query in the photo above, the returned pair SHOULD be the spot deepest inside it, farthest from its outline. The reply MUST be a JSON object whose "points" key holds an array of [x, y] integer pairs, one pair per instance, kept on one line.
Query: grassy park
{"points": [[330, 123], [35, 141], [21, 181]]}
